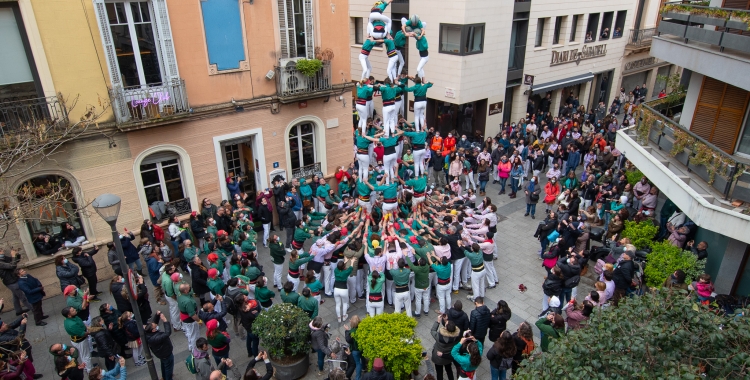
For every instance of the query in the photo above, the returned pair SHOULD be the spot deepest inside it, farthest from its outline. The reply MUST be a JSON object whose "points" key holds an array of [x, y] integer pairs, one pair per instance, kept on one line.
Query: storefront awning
{"points": [[554, 85]]}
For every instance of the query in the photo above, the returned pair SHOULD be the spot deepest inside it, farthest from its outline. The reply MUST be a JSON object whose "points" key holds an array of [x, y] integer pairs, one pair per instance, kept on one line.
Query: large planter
{"points": [[736, 42], [703, 35], [677, 16], [700, 171], [699, 19], [672, 28], [683, 156], [293, 370], [736, 24], [720, 183]]}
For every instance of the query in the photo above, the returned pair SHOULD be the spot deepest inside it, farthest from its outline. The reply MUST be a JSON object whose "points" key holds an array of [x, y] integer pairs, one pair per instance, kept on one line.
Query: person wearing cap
{"points": [[219, 341], [170, 277], [378, 371], [34, 292], [80, 301], [215, 283], [78, 332], [188, 314]]}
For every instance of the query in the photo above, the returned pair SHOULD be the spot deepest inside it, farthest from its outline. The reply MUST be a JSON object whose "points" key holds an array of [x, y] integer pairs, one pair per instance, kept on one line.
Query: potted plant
{"points": [[391, 338], [284, 333], [309, 67]]}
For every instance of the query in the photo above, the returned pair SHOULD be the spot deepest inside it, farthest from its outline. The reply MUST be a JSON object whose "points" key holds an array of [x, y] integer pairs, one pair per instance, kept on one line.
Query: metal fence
{"points": [[291, 82], [641, 37], [145, 103], [306, 171], [23, 115]]}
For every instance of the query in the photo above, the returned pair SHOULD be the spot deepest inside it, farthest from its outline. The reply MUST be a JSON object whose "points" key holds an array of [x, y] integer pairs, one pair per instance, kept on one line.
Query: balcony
{"points": [[710, 41], [292, 85], [142, 104], [19, 116], [710, 186], [640, 39], [306, 171], [516, 60]]}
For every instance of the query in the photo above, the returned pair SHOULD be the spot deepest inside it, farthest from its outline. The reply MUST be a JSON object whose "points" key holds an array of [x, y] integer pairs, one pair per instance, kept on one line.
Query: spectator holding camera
{"points": [[467, 354]]}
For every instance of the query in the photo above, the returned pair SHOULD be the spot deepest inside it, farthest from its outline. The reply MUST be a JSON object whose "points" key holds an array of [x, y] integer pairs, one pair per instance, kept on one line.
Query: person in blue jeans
{"points": [[319, 338], [532, 188], [356, 353], [515, 176], [501, 355], [247, 314], [483, 175]]}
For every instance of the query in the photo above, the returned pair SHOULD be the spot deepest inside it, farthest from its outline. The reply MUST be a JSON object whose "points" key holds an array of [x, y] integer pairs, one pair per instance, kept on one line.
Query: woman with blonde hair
{"points": [[127, 322], [353, 347], [524, 339]]}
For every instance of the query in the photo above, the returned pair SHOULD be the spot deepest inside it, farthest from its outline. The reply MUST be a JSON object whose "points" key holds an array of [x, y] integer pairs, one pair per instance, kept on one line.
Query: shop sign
{"points": [[578, 55], [496, 108], [634, 65], [450, 93]]}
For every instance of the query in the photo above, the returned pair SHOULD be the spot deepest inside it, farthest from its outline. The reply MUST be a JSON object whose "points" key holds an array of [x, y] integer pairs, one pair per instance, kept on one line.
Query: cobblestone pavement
{"points": [[518, 263]]}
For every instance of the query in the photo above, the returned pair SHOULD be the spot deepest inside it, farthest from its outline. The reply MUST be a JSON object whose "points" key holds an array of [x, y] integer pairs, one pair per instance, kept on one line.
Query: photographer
{"points": [[468, 361], [46, 244]]}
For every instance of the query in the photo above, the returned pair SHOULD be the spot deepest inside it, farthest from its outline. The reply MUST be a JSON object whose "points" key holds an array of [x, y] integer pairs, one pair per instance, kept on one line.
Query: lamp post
{"points": [[108, 207]]}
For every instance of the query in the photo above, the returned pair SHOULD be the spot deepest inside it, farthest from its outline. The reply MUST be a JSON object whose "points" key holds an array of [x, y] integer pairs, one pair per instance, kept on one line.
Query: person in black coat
{"points": [[131, 252], [199, 275], [571, 272], [552, 285], [223, 221], [85, 259], [623, 276], [46, 244], [287, 219], [160, 344], [499, 319], [110, 317], [479, 322], [119, 293], [34, 292], [458, 317], [207, 312], [144, 306], [105, 343]]}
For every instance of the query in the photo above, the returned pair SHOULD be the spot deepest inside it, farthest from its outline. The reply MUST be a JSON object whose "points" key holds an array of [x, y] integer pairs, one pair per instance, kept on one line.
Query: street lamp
{"points": [[108, 207]]}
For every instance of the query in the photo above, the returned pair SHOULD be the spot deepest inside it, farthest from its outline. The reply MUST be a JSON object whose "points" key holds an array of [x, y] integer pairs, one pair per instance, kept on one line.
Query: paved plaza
{"points": [[518, 263]]}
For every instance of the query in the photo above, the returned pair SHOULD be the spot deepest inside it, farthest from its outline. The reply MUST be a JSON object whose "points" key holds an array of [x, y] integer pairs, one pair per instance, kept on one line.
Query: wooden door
{"points": [[719, 113]]}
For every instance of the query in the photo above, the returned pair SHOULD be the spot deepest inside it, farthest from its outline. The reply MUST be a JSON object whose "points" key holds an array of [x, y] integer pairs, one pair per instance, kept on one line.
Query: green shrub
{"points": [[641, 235], [660, 335], [390, 337], [665, 258], [309, 67], [633, 176], [283, 331]]}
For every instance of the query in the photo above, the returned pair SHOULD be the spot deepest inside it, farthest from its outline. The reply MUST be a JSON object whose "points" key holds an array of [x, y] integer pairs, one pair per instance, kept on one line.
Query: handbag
{"points": [[80, 280], [553, 236], [534, 197]]}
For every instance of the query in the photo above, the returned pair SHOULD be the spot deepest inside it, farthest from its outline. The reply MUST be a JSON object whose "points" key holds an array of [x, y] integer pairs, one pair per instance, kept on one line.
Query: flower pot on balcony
{"points": [[720, 183], [700, 171], [703, 35], [677, 16], [736, 24], [684, 156], [736, 42], [700, 19], [671, 28], [666, 143]]}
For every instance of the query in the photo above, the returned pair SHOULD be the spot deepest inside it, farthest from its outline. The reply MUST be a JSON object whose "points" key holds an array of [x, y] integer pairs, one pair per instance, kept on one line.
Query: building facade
{"points": [[190, 93]]}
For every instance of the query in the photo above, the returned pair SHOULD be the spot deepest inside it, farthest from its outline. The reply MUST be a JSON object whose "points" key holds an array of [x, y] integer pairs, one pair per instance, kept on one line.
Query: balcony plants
{"points": [[309, 67], [284, 333], [391, 338]]}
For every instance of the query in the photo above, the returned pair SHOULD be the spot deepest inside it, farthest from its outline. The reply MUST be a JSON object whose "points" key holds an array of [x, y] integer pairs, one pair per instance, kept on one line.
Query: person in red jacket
{"points": [[341, 174], [449, 143], [379, 151]]}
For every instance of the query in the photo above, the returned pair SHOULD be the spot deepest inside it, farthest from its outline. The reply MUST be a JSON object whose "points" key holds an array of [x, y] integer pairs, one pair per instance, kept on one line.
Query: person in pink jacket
{"points": [[703, 287], [503, 172]]}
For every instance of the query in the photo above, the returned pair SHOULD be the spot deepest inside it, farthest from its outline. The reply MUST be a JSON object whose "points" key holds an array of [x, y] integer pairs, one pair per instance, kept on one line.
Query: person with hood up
{"points": [[203, 366], [130, 251], [479, 322], [446, 336], [378, 371]]}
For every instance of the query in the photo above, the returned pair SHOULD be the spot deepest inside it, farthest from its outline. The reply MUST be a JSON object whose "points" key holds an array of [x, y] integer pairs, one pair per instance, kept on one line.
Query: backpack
{"points": [[506, 363], [231, 305], [190, 364]]}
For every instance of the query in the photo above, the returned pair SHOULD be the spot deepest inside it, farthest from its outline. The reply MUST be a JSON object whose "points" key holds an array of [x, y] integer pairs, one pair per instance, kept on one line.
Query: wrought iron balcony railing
{"points": [[149, 103], [292, 82], [306, 171], [22, 115], [641, 37]]}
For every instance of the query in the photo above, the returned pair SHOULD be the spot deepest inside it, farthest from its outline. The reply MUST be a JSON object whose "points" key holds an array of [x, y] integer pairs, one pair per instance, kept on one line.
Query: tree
{"points": [[660, 335], [391, 338], [31, 132]]}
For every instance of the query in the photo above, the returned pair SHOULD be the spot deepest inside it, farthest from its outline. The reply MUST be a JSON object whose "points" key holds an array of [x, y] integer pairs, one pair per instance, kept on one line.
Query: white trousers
{"points": [[424, 296], [389, 291], [327, 279], [419, 168], [364, 166], [294, 281], [138, 355], [375, 308], [399, 108], [342, 301], [459, 277], [389, 162], [366, 205], [477, 283], [470, 178], [420, 108], [370, 109], [266, 229], [401, 62], [366, 66], [174, 313], [402, 300], [399, 151], [376, 16], [277, 268], [387, 207], [389, 119], [392, 69], [363, 115], [84, 352], [191, 333], [444, 296], [491, 273], [351, 284], [420, 66]]}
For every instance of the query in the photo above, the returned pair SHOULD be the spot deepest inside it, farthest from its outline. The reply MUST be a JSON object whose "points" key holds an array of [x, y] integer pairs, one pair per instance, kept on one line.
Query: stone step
{"points": [[684, 178], [708, 197]]}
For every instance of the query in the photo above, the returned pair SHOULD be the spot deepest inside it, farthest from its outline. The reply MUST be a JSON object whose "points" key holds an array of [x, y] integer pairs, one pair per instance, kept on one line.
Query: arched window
{"points": [[47, 204], [161, 173], [302, 145]]}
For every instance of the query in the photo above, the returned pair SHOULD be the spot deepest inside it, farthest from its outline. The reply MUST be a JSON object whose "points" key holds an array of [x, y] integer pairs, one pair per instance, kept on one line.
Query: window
{"points": [[134, 42], [225, 41], [16, 67], [233, 159], [574, 28], [606, 31], [558, 27], [296, 28], [619, 24], [358, 30], [162, 177], [461, 39], [52, 201], [592, 27], [302, 145], [540, 32]]}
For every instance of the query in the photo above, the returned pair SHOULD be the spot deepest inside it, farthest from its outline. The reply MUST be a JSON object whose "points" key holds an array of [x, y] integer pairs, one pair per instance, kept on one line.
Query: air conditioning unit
{"points": [[291, 81], [283, 62]]}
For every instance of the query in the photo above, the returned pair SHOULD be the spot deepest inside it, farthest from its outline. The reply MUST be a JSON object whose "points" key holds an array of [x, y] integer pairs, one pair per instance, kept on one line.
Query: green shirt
{"points": [[216, 285], [389, 141], [362, 143], [75, 301], [475, 258], [443, 271], [419, 89], [364, 92], [322, 191], [166, 284], [389, 92], [187, 305], [315, 286], [302, 259], [422, 43], [309, 305], [381, 6], [378, 284], [247, 245], [292, 298], [277, 252], [389, 45], [218, 341], [342, 275], [399, 39], [419, 184], [417, 137], [75, 327], [368, 45], [301, 234], [218, 265], [464, 360], [549, 332], [400, 276], [362, 189], [389, 191], [189, 253], [421, 275], [262, 294]]}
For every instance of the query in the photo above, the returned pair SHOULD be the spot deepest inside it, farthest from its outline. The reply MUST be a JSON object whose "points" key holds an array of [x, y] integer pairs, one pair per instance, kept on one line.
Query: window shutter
{"points": [[309, 29], [719, 113], [286, 29], [736, 4], [109, 47], [166, 45]]}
